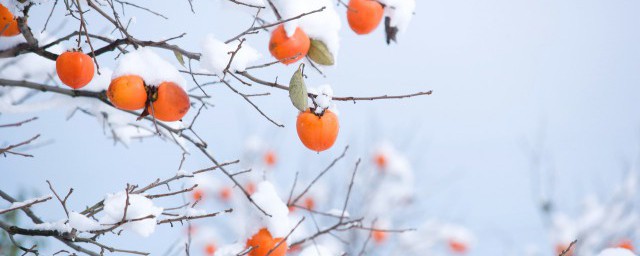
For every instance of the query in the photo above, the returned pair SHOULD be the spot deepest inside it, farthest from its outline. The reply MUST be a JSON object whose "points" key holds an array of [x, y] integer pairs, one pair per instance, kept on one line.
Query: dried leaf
{"points": [[298, 90]]}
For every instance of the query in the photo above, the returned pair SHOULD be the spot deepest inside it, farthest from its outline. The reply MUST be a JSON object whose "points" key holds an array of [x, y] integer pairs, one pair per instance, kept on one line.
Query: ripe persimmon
{"points": [[75, 69], [210, 249], [225, 193], [250, 188], [381, 160], [317, 133], [364, 15], [127, 92], [457, 246], [309, 203], [169, 102], [626, 244], [197, 194], [270, 158], [263, 242], [289, 49], [379, 236], [8, 23]]}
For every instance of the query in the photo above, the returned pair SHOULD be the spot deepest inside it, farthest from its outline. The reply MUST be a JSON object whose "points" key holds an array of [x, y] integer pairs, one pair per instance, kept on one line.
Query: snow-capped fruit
{"points": [[317, 133], [263, 242], [288, 49], [75, 69], [364, 15], [127, 92], [169, 103], [298, 90], [319, 53], [8, 23]]}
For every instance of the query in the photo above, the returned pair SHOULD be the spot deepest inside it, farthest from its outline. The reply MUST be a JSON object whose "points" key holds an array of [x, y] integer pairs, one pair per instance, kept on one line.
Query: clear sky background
{"points": [[507, 75]]}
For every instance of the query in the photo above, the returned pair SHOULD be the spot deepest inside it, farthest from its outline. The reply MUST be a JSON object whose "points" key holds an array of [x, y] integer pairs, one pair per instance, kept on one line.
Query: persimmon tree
{"points": [[148, 95]]}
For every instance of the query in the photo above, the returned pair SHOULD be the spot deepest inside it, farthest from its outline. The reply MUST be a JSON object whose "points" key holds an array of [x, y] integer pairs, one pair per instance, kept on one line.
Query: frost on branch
{"points": [[216, 56], [139, 207]]}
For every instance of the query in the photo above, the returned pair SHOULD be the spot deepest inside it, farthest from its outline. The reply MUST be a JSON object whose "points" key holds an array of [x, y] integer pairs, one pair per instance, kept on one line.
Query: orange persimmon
{"points": [[379, 236], [364, 15], [8, 23], [317, 133], [289, 49], [210, 249], [169, 103], [457, 246], [127, 92], [263, 242], [75, 69], [270, 158]]}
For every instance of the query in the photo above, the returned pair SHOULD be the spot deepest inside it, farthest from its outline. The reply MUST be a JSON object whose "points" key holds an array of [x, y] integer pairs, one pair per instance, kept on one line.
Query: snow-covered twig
{"points": [[25, 204]]}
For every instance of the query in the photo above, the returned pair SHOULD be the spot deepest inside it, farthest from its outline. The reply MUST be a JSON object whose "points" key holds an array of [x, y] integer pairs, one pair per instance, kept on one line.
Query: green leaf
{"points": [[179, 57], [298, 90], [319, 53]]}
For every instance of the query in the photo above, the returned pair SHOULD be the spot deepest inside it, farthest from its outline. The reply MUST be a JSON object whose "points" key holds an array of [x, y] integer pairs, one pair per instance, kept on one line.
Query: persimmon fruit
{"points": [[379, 236], [75, 69], [197, 194], [364, 15], [225, 193], [263, 242], [626, 244], [210, 249], [169, 102], [270, 158], [317, 132], [309, 203], [289, 49], [380, 160], [457, 246], [127, 92], [8, 23]]}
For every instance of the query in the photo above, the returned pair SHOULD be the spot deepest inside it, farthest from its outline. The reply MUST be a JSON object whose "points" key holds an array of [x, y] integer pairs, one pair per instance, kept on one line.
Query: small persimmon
{"points": [[75, 69], [225, 193], [197, 194], [127, 92], [270, 158], [210, 249], [289, 49], [380, 160], [8, 23], [250, 188], [263, 242], [379, 236], [309, 203], [562, 247], [626, 244], [364, 15], [317, 133], [457, 246], [170, 102]]}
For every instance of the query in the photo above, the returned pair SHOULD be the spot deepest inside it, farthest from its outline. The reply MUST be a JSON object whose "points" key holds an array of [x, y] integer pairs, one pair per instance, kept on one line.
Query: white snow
{"points": [[193, 212], [267, 198], [153, 69], [216, 55], [183, 173], [139, 207], [26, 202], [16, 7], [83, 223], [324, 25], [616, 252], [316, 250], [323, 100], [400, 12], [59, 226]]}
